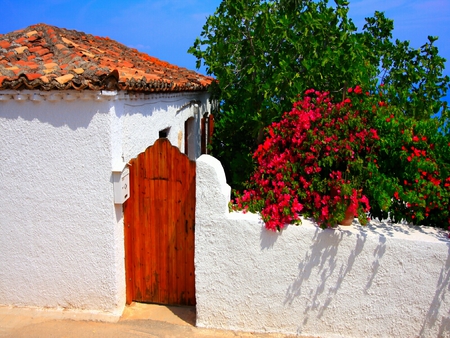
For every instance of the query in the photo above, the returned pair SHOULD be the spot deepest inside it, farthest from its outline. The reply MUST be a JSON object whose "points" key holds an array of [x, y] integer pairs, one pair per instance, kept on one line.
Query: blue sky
{"points": [[167, 28]]}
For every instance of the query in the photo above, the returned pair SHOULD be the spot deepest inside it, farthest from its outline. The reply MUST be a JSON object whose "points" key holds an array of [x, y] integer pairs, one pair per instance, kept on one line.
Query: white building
{"points": [[74, 108]]}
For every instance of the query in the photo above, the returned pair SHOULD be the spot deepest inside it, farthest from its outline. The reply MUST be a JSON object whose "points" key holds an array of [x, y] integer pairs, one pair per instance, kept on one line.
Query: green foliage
{"points": [[358, 157], [413, 78], [263, 53], [411, 175]]}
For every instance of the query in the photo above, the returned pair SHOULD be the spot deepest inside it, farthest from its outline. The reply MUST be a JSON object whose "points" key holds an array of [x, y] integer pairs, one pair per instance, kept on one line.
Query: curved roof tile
{"points": [[51, 58]]}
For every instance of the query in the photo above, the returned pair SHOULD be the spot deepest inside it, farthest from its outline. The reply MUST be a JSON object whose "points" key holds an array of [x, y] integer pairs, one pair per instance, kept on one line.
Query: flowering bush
{"points": [[314, 162], [326, 159], [412, 181]]}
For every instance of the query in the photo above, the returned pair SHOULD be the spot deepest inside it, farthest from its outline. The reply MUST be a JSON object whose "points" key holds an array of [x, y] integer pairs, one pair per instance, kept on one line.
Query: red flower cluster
{"points": [[325, 159], [312, 162]]}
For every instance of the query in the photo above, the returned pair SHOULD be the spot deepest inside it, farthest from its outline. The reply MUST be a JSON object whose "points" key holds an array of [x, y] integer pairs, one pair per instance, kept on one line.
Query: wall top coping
{"points": [[384, 228]]}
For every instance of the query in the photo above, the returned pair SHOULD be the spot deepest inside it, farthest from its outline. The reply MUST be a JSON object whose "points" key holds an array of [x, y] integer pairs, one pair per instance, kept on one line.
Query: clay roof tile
{"points": [[64, 55]]}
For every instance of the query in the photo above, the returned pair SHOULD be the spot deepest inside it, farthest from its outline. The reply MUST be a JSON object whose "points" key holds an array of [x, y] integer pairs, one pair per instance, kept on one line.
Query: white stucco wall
{"points": [[58, 227], [143, 118], [61, 235], [383, 280]]}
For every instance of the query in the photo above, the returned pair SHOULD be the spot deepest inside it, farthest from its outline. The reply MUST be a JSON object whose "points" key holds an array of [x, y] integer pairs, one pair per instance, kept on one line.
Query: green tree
{"points": [[265, 52]]}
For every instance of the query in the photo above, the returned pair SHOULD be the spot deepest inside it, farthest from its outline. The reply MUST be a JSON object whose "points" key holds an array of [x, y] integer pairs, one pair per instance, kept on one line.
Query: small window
{"points": [[164, 133], [189, 138]]}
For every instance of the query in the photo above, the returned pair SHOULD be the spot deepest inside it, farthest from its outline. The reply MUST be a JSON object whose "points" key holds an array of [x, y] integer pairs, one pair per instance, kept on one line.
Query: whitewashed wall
{"points": [[61, 235], [383, 280], [142, 119], [59, 231]]}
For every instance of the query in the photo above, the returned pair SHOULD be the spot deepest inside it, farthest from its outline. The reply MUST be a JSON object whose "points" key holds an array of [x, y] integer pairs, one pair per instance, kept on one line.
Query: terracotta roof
{"points": [[47, 57]]}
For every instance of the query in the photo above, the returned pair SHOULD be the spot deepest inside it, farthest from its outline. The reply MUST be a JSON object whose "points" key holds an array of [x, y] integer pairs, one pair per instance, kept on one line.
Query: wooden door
{"points": [[159, 222]]}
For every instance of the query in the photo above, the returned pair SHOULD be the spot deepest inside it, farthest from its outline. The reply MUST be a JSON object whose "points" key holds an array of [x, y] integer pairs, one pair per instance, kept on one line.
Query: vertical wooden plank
{"points": [[190, 209], [179, 226], [171, 233], [168, 160], [154, 225], [156, 222], [162, 171], [134, 195], [181, 241], [170, 167], [140, 230], [168, 171], [145, 214], [181, 238], [187, 198], [128, 237], [143, 226], [169, 226], [135, 227], [147, 239]]}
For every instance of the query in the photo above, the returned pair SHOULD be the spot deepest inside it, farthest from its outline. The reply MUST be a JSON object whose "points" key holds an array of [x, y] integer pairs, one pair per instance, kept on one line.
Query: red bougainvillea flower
{"points": [[305, 165], [358, 90], [327, 156]]}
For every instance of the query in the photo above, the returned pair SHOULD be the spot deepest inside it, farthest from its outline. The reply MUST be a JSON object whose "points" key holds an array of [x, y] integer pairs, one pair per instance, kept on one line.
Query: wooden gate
{"points": [[159, 221]]}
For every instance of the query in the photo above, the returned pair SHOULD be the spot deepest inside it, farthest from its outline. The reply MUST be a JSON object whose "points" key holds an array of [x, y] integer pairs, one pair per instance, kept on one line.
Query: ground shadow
{"points": [[187, 314], [432, 316], [267, 238], [322, 256], [178, 315], [389, 229]]}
